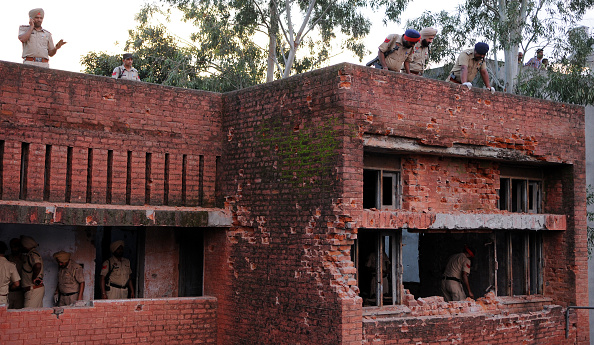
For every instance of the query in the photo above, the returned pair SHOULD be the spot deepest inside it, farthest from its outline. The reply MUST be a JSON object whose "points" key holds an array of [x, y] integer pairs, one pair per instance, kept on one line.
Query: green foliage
{"points": [[451, 38], [217, 59], [568, 79], [507, 26], [324, 22]]}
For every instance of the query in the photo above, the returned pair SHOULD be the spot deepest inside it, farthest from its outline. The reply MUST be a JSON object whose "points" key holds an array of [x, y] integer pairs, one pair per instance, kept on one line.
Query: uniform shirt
{"points": [[32, 258], [466, 58], [120, 270], [457, 264], [18, 261], [8, 274], [534, 62], [39, 43], [420, 55], [121, 72], [70, 277], [395, 60]]}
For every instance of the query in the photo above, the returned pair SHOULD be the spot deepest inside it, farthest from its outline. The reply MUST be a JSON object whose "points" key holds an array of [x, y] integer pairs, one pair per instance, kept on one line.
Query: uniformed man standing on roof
{"points": [[71, 281], [38, 44], [455, 276], [32, 279], [397, 49], [126, 71], [420, 54], [115, 274], [469, 63], [9, 277]]}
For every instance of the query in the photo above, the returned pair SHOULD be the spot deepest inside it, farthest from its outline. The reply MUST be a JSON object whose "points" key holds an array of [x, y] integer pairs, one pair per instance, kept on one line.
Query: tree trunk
{"points": [[272, 33]]}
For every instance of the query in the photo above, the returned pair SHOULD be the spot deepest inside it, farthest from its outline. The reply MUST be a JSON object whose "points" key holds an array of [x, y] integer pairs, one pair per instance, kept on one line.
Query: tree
{"points": [[321, 22], [510, 25], [569, 78], [214, 59]]}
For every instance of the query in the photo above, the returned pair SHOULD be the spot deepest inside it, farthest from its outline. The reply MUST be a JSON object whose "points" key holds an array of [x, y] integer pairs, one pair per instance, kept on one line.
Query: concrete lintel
{"points": [[25, 212], [497, 221], [456, 150], [460, 221]]}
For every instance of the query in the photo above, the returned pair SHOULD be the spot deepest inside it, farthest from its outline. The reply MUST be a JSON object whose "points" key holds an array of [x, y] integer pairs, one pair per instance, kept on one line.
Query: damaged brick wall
{"points": [[436, 119], [541, 327], [96, 140], [289, 250], [149, 321]]}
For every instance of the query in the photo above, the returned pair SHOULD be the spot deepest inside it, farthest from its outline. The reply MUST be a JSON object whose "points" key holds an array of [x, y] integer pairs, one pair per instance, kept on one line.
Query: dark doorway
{"points": [[133, 238], [191, 262]]}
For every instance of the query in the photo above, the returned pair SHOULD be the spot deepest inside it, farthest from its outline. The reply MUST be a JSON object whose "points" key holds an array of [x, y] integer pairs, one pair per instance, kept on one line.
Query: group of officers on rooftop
{"points": [[409, 53]]}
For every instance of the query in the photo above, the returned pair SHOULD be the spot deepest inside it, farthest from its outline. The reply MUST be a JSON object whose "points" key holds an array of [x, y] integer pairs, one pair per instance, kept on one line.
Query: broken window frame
{"points": [[520, 190], [379, 169], [394, 238], [532, 264]]}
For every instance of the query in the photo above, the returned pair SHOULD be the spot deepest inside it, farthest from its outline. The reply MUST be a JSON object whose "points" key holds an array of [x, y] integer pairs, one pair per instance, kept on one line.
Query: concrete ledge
{"points": [[461, 221], [27, 212]]}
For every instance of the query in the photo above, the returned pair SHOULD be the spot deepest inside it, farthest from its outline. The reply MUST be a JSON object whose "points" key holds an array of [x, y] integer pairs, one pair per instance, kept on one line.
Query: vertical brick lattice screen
{"points": [[77, 138]]}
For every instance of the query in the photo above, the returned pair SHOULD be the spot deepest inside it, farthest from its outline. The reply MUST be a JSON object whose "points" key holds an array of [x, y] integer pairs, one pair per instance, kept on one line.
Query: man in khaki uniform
{"points": [[468, 64], [126, 71], [115, 273], [397, 49], [420, 54], [9, 277], [32, 274], [71, 282], [38, 44], [455, 274], [16, 296]]}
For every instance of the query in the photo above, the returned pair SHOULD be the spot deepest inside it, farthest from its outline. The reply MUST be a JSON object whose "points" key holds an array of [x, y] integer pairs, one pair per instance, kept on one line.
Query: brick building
{"points": [[258, 216]]}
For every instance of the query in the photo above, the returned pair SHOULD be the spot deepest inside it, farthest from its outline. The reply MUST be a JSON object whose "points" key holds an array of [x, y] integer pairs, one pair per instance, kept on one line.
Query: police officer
{"points": [[455, 274], [468, 64], [16, 296], [115, 274], [126, 71], [38, 44], [32, 274], [71, 282], [9, 277], [420, 54], [397, 49]]}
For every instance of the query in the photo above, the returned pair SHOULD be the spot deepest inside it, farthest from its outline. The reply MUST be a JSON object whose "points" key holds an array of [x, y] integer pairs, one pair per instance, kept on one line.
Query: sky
{"points": [[97, 26]]}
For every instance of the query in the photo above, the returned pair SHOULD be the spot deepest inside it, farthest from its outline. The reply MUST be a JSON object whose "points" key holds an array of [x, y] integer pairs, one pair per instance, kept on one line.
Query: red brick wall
{"points": [[138, 321], [62, 109], [443, 115], [536, 328], [289, 253]]}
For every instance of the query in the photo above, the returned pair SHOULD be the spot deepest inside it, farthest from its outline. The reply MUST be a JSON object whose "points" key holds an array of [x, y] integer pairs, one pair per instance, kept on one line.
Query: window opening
{"points": [[383, 247], [381, 189], [519, 256], [520, 195]]}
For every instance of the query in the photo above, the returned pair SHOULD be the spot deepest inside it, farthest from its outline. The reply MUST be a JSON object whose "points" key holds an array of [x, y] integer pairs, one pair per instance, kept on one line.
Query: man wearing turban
{"points": [[115, 274], [468, 64], [32, 278], [38, 44], [397, 49], [71, 281], [420, 53]]}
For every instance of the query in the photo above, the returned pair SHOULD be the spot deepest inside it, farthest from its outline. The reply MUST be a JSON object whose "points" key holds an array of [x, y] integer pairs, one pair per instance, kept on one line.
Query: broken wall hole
{"points": [[506, 263]]}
